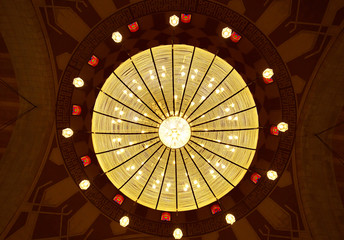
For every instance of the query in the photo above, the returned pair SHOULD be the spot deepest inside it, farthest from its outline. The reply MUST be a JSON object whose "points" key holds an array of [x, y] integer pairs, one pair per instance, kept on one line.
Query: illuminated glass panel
{"points": [[194, 85]]}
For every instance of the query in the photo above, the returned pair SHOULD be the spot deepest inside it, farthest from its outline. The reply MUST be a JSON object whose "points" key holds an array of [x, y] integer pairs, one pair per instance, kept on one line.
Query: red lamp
{"points": [[118, 199], [274, 130], [235, 37], [133, 27], [86, 160], [76, 110], [93, 61], [255, 177], [165, 216], [215, 208], [185, 18]]}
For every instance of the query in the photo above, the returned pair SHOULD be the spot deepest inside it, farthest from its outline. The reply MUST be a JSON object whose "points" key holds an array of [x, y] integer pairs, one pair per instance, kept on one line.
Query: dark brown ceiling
{"points": [[302, 33]]}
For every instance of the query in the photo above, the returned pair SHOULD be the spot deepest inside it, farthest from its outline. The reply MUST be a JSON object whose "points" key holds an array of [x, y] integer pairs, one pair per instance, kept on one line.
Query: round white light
{"points": [[272, 175], [177, 233], [117, 37], [268, 73], [174, 20], [84, 184], [78, 82], [67, 132], [174, 132], [282, 126], [226, 32], [124, 221], [230, 219]]}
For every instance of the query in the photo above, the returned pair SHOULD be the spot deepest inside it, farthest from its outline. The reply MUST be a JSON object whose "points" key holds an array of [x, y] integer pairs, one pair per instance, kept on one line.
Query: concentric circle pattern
{"points": [[175, 81]]}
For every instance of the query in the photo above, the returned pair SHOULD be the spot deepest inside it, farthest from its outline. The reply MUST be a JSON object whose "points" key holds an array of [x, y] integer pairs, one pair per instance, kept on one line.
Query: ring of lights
{"points": [[134, 12], [181, 82]]}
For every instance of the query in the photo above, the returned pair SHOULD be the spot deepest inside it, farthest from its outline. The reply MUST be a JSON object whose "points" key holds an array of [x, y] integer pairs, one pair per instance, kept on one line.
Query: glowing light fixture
{"points": [[76, 110], [166, 216], [86, 160], [174, 132], [67, 132], [230, 219], [174, 20], [118, 199], [226, 32], [268, 73], [255, 177], [215, 208], [177, 233], [124, 221], [186, 18], [78, 82], [117, 37], [274, 130], [93, 61], [84, 184], [172, 127], [235, 37], [272, 175], [282, 126], [133, 27]]}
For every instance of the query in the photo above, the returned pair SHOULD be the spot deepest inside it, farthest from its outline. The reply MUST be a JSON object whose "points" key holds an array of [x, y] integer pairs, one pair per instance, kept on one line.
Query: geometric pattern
{"points": [[99, 35], [37, 219]]}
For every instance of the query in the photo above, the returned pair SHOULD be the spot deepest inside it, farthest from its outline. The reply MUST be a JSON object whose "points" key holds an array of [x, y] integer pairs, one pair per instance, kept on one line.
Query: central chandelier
{"points": [[174, 132], [175, 128]]}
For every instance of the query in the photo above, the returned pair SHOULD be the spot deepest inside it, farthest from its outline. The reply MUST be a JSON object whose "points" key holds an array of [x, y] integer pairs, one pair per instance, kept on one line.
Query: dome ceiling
{"points": [[101, 39], [148, 109], [77, 30]]}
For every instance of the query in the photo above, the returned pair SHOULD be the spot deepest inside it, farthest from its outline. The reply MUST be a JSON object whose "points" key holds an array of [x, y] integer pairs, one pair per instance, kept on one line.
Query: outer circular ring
{"points": [[222, 14]]}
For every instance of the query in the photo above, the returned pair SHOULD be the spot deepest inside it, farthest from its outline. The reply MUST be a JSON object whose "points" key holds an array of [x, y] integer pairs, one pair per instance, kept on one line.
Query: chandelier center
{"points": [[174, 132]]}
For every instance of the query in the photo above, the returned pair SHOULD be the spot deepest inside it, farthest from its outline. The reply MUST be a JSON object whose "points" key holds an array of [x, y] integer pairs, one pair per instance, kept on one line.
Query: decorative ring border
{"points": [[222, 14]]}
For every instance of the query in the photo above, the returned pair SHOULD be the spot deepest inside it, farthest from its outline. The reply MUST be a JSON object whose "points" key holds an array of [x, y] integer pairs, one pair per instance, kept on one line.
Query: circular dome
{"points": [[184, 94]]}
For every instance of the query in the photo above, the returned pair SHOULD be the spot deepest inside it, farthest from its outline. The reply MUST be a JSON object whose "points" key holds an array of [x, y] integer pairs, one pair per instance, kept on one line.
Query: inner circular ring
{"points": [[174, 132]]}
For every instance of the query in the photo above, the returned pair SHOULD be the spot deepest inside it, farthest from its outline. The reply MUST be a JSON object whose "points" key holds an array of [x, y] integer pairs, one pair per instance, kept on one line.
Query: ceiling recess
{"points": [[175, 128]]}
